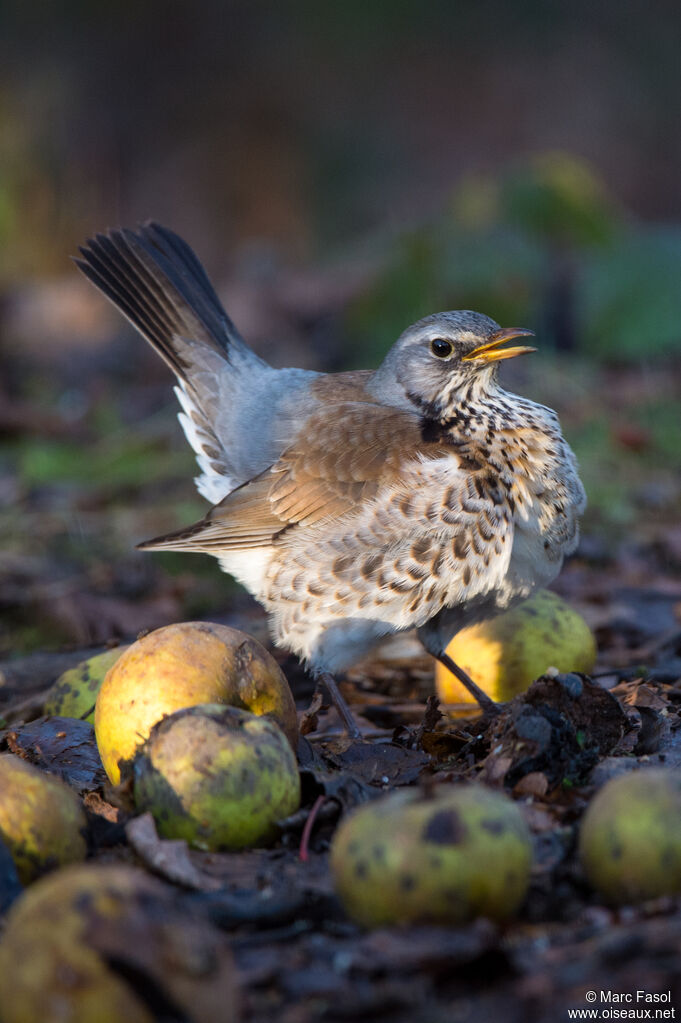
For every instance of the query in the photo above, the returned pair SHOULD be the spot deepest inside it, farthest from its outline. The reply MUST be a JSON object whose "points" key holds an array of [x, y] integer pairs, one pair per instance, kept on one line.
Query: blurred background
{"points": [[341, 170]]}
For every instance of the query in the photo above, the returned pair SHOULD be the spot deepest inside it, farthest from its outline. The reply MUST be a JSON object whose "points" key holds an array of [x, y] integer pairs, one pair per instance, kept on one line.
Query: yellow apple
{"points": [[42, 821], [74, 693], [630, 838], [181, 666], [218, 777], [446, 857], [505, 654]]}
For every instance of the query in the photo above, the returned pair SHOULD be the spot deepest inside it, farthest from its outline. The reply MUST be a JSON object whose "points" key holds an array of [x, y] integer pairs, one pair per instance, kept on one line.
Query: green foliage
{"points": [[405, 292], [630, 295], [492, 271], [507, 246], [127, 464], [616, 476], [559, 200], [116, 458]]}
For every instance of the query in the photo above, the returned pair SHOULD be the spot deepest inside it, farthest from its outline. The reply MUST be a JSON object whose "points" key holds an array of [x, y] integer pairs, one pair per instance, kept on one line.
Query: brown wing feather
{"points": [[242, 520], [340, 457]]}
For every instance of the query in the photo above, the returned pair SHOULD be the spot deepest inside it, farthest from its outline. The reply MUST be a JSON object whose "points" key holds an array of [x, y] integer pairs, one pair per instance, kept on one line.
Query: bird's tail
{"points": [[158, 283]]}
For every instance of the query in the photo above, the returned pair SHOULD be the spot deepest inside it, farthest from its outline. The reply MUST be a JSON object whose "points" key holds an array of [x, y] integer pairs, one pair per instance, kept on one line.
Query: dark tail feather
{"points": [[155, 279]]}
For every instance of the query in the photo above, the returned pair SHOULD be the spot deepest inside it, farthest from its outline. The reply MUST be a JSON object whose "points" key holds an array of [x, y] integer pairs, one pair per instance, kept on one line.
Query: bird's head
{"points": [[447, 357]]}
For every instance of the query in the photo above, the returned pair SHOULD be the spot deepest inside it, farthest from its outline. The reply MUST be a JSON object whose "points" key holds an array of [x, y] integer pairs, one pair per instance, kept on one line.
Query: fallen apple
{"points": [[505, 654], [218, 777], [630, 838], [42, 821], [106, 943], [74, 693], [445, 856], [180, 666]]}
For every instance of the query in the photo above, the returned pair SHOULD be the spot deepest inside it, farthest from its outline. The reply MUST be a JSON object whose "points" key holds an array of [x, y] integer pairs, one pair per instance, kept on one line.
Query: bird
{"points": [[359, 504]]}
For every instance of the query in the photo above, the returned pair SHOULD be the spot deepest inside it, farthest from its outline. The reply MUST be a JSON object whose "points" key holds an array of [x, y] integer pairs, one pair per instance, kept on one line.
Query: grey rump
{"points": [[354, 505]]}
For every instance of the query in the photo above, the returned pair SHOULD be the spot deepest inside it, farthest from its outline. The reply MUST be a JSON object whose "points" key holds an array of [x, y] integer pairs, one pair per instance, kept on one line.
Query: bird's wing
{"points": [[366, 469], [339, 458], [342, 456]]}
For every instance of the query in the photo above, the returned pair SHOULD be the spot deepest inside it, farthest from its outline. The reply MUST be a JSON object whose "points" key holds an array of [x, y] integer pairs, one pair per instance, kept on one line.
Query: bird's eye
{"points": [[441, 348]]}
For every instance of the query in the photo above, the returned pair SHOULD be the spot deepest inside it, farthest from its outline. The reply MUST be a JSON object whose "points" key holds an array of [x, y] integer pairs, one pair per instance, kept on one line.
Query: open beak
{"points": [[492, 351]]}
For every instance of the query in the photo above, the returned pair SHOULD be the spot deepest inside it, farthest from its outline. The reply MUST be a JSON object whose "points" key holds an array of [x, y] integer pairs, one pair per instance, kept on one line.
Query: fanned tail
{"points": [[158, 283]]}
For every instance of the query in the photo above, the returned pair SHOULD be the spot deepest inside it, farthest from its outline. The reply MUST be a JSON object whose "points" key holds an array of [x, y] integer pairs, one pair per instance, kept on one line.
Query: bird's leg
{"points": [[486, 702], [429, 634], [340, 704]]}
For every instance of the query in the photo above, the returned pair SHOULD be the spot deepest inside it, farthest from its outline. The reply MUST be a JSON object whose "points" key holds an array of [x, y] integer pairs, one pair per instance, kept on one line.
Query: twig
{"points": [[304, 852]]}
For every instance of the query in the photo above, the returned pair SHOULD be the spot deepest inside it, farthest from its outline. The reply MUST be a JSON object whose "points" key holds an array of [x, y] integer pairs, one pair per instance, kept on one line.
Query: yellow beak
{"points": [[491, 350]]}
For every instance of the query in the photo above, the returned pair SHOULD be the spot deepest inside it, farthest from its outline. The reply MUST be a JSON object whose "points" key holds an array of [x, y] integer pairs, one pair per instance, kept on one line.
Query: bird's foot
{"points": [[341, 706]]}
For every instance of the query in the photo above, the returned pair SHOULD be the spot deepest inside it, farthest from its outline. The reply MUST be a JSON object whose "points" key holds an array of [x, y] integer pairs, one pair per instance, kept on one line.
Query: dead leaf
{"points": [[380, 763], [167, 857], [309, 719], [431, 949], [62, 746], [533, 784]]}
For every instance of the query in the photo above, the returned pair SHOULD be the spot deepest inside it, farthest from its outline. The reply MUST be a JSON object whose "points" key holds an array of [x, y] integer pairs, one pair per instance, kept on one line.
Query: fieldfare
{"points": [[353, 505]]}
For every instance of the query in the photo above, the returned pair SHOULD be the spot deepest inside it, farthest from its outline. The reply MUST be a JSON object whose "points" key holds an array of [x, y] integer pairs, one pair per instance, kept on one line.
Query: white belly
{"points": [[249, 568]]}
